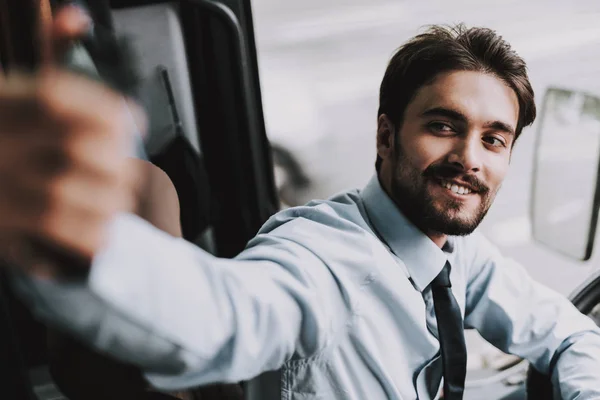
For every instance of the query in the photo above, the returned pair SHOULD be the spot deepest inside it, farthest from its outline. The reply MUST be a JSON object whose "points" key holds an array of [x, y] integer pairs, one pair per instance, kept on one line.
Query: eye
{"points": [[441, 127], [494, 141]]}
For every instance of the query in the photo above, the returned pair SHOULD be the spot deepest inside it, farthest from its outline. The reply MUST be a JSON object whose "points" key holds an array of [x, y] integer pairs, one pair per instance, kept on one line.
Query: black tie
{"points": [[451, 334]]}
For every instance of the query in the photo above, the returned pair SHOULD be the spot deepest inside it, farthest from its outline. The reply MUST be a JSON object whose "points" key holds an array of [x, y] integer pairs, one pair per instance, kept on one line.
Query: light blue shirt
{"points": [[329, 301]]}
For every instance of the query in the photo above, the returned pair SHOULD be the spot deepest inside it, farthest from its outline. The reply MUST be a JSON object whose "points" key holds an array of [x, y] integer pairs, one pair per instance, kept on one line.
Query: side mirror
{"points": [[566, 190]]}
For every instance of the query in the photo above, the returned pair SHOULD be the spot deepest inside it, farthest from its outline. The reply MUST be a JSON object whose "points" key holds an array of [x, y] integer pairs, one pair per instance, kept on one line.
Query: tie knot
{"points": [[443, 278]]}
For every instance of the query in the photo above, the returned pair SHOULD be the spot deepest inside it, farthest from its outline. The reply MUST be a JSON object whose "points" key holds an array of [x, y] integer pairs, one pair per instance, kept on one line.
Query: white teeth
{"points": [[455, 188]]}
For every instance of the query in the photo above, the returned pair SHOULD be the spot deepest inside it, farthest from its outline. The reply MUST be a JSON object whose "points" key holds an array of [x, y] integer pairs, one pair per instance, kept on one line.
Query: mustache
{"points": [[448, 172]]}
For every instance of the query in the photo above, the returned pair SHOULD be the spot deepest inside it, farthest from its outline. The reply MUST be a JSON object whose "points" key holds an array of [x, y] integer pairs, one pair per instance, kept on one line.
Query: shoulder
{"points": [[343, 211], [333, 231], [340, 216]]}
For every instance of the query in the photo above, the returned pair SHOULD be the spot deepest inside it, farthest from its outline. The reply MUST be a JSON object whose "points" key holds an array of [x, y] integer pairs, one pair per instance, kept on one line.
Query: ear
{"points": [[385, 137]]}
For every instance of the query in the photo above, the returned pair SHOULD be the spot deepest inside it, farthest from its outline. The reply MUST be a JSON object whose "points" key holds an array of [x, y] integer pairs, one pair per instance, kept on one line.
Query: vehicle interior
{"points": [[199, 83], [227, 167]]}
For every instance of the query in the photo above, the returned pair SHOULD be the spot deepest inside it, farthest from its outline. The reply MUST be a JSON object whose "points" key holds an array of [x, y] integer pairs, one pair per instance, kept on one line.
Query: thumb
{"points": [[70, 23]]}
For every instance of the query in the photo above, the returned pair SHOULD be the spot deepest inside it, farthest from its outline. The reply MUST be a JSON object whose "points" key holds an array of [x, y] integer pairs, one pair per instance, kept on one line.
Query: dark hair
{"points": [[458, 48]]}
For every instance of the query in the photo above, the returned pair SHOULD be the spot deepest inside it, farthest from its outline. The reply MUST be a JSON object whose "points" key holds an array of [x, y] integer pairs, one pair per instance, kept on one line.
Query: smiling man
{"points": [[362, 296], [445, 162]]}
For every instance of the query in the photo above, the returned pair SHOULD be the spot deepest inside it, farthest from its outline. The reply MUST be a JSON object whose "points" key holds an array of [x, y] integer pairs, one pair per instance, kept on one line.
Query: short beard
{"points": [[409, 190]]}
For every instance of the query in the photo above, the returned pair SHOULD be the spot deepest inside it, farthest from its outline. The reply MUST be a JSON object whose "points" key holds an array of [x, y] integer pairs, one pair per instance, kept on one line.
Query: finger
{"points": [[44, 27], [38, 258], [68, 100], [71, 211], [70, 22], [64, 95], [79, 225], [46, 155], [20, 205], [77, 167]]}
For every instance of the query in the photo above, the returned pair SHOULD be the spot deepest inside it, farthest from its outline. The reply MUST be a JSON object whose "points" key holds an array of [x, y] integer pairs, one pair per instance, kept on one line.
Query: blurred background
{"points": [[321, 63]]}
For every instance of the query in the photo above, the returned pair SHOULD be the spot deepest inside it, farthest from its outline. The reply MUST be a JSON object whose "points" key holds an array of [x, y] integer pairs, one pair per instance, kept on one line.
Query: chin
{"points": [[459, 229], [462, 225], [453, 222]]}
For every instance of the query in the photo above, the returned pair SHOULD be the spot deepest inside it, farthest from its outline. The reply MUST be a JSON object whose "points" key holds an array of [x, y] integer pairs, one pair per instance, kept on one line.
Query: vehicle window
{"points": [[321, 64]]}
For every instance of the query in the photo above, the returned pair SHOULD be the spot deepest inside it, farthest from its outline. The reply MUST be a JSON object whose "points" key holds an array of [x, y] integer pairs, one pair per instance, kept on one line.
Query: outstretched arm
{"points": [[187, 318], [183, 316]]}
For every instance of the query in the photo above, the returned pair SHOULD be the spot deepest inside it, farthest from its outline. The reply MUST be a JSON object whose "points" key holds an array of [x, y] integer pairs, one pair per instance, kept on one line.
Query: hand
{"points": [[64, 171]]}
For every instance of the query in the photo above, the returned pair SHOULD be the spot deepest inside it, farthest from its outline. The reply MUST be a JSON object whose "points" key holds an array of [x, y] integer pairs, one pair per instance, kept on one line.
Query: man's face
{"points": [[447, 162]]}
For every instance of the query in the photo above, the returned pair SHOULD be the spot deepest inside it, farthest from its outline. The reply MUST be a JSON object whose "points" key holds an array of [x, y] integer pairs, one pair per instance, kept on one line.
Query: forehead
{"points": [[479, 96]]}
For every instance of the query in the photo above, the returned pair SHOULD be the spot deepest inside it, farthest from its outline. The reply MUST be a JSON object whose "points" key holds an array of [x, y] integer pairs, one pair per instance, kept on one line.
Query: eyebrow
{"points": [[458, 116]]}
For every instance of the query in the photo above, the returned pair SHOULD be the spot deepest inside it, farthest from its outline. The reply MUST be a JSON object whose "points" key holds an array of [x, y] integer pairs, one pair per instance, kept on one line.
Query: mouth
{"points": [[457, 188]]}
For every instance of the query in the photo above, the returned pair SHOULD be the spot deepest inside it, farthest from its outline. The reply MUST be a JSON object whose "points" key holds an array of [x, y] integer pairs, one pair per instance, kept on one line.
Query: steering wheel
{"points": [[587, 300]]}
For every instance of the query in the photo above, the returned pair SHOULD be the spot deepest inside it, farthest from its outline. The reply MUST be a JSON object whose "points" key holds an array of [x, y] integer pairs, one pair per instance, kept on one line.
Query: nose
{"points": [[466, 155]]}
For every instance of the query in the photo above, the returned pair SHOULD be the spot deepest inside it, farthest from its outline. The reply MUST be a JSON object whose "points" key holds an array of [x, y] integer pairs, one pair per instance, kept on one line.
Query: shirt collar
{"points": [[422, 257]]}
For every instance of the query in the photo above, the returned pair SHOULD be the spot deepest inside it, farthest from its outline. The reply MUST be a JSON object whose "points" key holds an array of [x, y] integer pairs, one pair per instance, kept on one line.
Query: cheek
{"points": [[428, 150], [496, 169]]}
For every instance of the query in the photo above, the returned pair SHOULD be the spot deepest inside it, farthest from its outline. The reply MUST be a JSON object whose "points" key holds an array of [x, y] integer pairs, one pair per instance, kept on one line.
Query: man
{"points": [[362, 296]]}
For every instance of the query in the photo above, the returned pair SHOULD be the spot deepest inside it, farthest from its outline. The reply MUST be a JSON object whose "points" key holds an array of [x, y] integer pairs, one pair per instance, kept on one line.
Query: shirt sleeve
{"points": [[522, 317], [186, 317]]}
